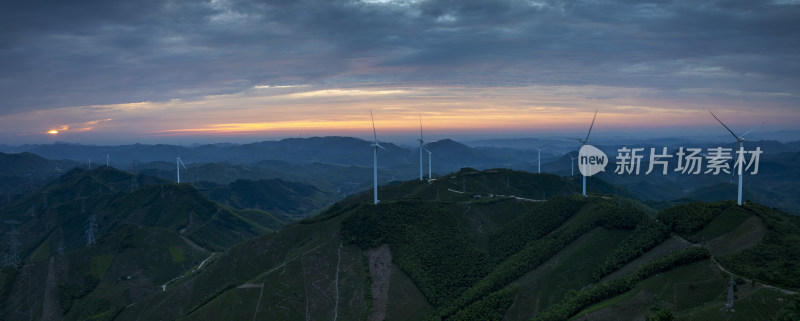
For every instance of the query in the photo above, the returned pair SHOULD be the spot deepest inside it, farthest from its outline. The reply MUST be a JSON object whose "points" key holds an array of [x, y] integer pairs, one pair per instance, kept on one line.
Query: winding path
{"points": [[336, 282]]}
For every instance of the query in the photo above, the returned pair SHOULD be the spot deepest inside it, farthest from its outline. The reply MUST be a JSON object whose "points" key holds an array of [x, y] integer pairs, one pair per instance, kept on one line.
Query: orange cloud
{"points": [[77, 127]]}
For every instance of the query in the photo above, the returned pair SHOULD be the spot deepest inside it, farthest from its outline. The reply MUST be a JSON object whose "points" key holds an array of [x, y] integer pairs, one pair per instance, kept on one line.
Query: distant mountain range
{"points": [[27, 170], [341, 165]]}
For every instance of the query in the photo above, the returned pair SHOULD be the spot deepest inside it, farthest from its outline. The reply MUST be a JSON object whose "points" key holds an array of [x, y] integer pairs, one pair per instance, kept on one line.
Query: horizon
{"points": [[411, 141]]}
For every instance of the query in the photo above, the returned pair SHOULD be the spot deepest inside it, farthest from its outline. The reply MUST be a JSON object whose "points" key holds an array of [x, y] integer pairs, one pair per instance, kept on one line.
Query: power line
{"points": [[729, 301], [91, 228], [12, 257]]}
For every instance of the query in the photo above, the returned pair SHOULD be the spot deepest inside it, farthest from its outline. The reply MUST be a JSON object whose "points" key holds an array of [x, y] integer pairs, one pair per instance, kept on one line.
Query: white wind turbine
{"points": [[430, 175], [375, 147], [178, 164], [584, 142], [421, 142], [739, 141], [572, 164], [539, 149], [422, 148]]}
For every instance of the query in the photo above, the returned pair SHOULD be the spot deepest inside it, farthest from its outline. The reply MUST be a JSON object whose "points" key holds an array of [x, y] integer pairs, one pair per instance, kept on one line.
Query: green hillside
{"points": [[472, 245], [496, 252], [297, 200], [106, 193], [145, 239], [755, 243], [24, 171]]}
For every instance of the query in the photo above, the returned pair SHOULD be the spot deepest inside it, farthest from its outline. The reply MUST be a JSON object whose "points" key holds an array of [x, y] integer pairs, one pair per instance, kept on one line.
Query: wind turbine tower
{"points": [[584, 142], [421, 142], [178, 164], [430, 174], [375, 147], [572, 165], [421, 149], [540, 159], [739, 141]]}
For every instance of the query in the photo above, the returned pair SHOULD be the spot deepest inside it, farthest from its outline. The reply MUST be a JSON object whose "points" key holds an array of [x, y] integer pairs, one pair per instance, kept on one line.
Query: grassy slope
{"points": [[143, 234], [443, 251], [570, 269], [285, 258], [698, 291]]}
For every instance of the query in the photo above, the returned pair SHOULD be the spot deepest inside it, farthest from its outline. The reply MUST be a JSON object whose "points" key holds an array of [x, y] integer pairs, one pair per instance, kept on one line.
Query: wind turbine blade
{"points": [[590, 127], [420, 127], [425, 149], [381, 147], [752, 129], [182, 164], [374, 133], [723, 125]]}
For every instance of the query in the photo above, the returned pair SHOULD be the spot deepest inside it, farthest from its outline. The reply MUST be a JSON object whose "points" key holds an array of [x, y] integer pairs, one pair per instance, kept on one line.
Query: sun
{"points": [[52, 132]]}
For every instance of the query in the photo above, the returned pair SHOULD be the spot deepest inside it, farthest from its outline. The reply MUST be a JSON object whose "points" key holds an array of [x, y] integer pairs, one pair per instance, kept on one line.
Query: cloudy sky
{"points": [[105, 71]]}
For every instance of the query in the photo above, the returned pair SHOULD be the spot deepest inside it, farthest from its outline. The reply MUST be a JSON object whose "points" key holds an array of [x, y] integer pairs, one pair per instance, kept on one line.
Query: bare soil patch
{"points": [[51, 310], [380, 270]]}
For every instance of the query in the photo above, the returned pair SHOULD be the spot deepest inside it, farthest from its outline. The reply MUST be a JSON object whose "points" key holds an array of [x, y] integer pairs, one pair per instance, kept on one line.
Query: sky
{"points": [[107, 72]]}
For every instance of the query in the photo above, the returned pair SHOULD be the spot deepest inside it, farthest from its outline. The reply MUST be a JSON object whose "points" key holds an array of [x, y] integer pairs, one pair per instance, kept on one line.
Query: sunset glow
{"points": [[502, 68], [445, 111]]}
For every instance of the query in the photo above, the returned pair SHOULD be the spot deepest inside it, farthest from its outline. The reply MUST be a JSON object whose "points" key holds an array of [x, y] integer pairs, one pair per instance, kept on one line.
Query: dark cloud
{"points": [[72, 53]]}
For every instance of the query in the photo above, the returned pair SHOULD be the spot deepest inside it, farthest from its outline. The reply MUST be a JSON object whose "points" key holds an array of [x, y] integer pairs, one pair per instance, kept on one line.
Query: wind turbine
{"points": [[178, 164], [584, 142], [539, 149], [572, 165], [421, 143], [375, 147], [430, 175], [739, 141]]}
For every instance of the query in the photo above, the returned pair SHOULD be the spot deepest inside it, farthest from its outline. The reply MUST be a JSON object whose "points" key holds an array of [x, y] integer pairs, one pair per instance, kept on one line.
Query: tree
{"points": [[662, 315]]}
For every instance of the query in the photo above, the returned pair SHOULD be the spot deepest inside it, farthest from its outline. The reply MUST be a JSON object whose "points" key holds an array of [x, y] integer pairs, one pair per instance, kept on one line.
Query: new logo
{"points": [[591, 160]]}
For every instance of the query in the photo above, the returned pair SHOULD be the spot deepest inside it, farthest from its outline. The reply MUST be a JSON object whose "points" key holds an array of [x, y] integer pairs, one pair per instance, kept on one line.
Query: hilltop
{"points": [[147, 233], [24, 171], [494, 250]]}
